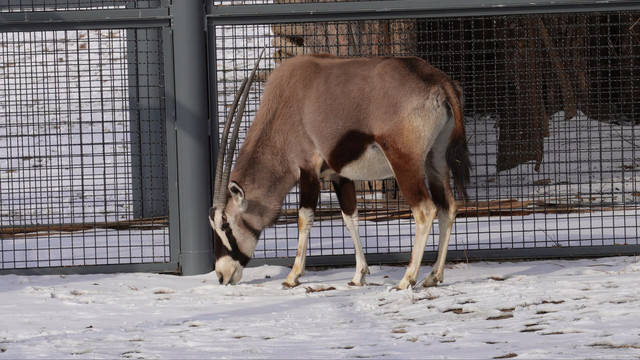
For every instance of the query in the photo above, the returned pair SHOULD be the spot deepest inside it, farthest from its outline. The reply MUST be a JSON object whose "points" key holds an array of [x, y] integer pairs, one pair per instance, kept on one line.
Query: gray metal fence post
{"points": [[192, 136]]}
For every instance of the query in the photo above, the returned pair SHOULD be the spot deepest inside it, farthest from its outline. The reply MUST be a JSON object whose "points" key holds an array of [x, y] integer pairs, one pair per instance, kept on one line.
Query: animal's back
{"points": [[324, 98]]}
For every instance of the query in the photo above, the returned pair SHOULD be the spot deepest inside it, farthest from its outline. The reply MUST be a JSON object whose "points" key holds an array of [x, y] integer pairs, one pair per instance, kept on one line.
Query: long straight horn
{"points": [[218, 192], [221, 185]]}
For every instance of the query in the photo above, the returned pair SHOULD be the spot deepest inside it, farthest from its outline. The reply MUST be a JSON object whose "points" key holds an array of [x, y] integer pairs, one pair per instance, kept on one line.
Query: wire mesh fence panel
{"points": [[267, 2], [552, 121], [79, 148], [66, 5]]}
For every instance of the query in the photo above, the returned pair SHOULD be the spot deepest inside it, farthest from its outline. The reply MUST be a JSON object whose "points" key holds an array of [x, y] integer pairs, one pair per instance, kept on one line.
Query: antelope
{"points": [[347, 119]]}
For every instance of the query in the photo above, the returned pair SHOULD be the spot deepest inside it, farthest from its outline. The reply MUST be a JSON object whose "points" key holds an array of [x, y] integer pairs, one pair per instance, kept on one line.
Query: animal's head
{"points": [[234, 239]]}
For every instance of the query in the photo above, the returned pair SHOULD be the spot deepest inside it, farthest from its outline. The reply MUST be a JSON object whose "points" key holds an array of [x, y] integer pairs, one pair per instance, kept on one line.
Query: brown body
{"points": [[350, 119]]}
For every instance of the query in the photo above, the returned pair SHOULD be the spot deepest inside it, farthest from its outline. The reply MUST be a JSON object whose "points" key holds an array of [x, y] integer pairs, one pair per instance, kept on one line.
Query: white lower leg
{"points": [[424, 219], [445, 223], [305, 221], [351, 221]]}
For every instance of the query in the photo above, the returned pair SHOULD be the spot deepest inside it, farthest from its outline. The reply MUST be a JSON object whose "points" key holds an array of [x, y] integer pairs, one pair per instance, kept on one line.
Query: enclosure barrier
{"points": [[552, 116], [97, 120], [110, 109]]}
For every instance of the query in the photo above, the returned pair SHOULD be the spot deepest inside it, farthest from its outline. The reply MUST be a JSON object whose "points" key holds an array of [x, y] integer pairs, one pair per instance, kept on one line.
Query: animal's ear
{"points": [[237, 194]]}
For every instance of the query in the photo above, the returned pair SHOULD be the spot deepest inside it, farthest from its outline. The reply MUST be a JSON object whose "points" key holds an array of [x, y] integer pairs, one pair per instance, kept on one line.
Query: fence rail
{"points": [[266, 12]]}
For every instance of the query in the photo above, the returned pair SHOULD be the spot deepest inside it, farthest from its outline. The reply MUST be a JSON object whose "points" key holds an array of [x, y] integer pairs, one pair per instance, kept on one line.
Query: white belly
{"points": [[372, 165]]}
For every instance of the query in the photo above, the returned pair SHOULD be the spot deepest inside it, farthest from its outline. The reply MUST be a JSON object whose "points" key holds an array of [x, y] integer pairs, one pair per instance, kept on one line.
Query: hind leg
{"points": [[440, 188], [346, 192], [408, 169], [424, 213]]}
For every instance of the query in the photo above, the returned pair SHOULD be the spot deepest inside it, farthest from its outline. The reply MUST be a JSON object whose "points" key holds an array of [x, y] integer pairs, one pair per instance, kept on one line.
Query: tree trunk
{"points": [[523, 118]]}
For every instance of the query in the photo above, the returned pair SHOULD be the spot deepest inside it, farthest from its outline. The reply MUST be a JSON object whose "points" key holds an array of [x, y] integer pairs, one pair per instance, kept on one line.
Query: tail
{"points": [[457, 154]]}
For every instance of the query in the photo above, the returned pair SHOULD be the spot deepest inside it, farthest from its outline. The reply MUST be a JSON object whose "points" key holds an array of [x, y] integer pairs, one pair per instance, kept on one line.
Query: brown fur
{"points": [[321, 113], [346, 192], [294, 119]]}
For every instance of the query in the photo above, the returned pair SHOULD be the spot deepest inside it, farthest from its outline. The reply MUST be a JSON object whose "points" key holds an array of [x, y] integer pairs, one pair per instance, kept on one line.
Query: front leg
{"points": [[305, 221], [309, 191], [362, 269]]}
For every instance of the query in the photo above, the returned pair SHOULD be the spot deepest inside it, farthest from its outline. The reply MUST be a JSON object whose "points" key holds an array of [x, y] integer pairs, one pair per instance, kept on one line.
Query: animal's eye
{"points": [[225, 223]]}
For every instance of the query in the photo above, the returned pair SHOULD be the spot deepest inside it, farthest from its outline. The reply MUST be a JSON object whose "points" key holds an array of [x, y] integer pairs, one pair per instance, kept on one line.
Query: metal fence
{"points": [[552, 117], [83, 138], [107, 128]]}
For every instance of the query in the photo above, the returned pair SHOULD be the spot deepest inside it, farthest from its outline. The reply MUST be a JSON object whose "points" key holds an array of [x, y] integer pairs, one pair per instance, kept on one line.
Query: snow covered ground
{"points": [[544, 309]]}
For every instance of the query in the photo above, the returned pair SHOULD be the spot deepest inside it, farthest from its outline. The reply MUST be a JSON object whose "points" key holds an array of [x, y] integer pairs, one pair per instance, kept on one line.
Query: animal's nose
{"points": [[220, 278]]}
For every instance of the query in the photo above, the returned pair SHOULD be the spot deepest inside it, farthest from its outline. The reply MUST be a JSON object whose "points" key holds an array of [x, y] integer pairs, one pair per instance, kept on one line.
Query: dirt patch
{"points": [[310, 289], [500, 317], [615, 346], [496, 278], [458, 311], [507, 356]]}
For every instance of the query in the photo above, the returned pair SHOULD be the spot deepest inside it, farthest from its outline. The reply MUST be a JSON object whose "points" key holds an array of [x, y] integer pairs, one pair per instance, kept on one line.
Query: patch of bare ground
{"points": [[555, 302], [531, 329], [497, 278], [310, 289], [607, 345], [506, 356], [553, 333], [500, 317], [457, 311]]}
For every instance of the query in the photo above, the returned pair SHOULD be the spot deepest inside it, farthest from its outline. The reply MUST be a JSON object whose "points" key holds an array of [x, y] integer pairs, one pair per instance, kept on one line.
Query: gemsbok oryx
{"points": [[347, 119]]}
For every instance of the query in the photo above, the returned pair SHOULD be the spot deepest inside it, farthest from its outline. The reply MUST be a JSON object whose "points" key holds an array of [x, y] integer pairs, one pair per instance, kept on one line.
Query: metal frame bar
{"points": [[374, 10], [464, 255], [170, 268], [84, 19], [172, 158], [4, 4]]}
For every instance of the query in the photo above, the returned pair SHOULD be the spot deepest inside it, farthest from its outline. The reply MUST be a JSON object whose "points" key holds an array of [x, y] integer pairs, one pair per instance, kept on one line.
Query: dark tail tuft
{"points": [[457, 151], [458, 160]]}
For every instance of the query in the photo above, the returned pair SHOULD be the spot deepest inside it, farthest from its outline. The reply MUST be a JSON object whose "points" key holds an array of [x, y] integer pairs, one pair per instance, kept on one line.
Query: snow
{"points": [[541, 309]]}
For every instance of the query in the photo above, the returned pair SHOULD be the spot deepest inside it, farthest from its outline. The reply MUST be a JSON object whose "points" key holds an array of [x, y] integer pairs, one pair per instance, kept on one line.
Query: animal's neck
{"points": [[265, 167], [266, 179]]}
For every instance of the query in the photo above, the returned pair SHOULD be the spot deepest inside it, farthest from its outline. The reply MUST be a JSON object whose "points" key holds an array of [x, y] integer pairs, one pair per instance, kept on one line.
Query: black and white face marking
{"points": [[231, 256]]}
